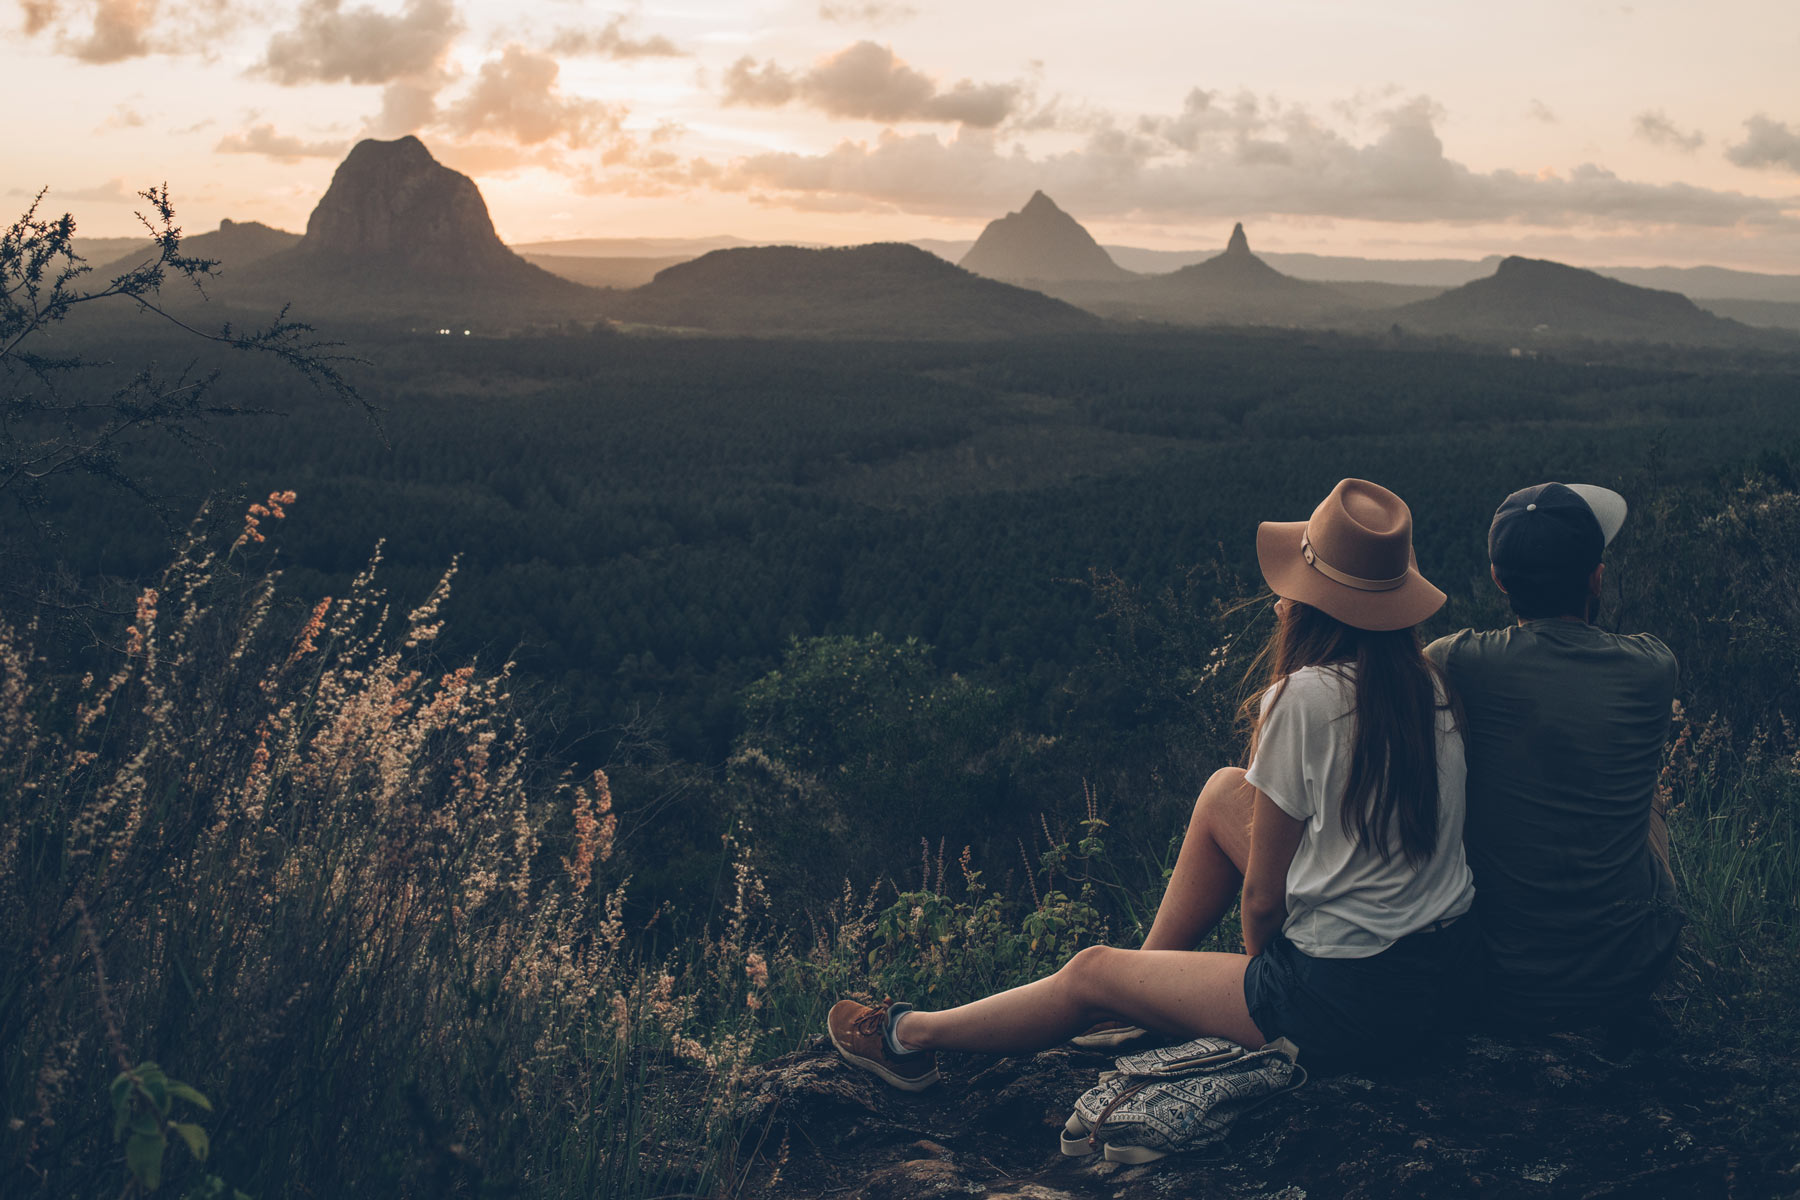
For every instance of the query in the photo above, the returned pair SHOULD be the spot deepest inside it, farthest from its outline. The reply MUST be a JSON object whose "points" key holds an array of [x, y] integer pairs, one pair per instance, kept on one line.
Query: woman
{"points": [[1345, 833]]}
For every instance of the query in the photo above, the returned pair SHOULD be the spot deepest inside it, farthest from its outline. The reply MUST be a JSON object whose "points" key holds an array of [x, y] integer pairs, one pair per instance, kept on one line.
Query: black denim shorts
{"points": [[1345, 1010]]}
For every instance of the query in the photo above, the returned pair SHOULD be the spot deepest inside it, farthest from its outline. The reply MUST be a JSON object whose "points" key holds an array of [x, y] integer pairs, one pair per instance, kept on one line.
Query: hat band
{"points": [[1336, 576]]}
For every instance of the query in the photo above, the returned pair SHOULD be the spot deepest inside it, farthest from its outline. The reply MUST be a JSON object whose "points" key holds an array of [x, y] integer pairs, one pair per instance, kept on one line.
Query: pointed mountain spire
{"points": [[1239, 244]]}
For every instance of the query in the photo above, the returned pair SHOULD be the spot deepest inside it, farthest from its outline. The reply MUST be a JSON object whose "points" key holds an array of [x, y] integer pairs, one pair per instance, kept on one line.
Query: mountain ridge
{"points": [[884, 289], [1539, 300]]}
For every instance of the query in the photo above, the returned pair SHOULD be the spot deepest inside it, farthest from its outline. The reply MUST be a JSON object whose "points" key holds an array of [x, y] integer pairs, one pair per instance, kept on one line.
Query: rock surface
{"points": [[1239, 243], [392, 200], [397, 236], [1548, 1117]]}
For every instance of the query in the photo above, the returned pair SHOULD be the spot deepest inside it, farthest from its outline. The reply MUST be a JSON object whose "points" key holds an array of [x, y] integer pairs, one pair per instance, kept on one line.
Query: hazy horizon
{"points": [[1594, 134]]}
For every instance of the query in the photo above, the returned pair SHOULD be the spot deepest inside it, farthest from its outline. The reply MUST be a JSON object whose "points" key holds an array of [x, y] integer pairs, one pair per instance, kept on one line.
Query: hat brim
{"points": [[1289, 576], [1609, 508]]}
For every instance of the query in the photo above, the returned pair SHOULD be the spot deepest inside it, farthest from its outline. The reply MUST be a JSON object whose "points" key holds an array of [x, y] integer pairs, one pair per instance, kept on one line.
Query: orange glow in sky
{"points": [[1623, 134]]}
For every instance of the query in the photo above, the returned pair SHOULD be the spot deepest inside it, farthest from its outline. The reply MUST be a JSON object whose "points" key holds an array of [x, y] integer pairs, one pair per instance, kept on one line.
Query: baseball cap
{"points": [[1554, 528]]}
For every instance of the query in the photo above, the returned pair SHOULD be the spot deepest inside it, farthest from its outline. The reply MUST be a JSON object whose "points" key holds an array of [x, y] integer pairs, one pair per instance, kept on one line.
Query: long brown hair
{"points": [[1393, 761]]}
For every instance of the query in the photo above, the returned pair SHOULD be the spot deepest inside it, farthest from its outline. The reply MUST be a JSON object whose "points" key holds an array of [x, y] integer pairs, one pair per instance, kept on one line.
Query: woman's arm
{"points": [[1274, 836]]}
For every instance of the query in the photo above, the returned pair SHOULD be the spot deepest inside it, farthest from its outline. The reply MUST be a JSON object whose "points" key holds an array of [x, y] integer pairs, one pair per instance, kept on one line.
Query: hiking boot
{"points": [[862, 1035], [1108, 1035]]}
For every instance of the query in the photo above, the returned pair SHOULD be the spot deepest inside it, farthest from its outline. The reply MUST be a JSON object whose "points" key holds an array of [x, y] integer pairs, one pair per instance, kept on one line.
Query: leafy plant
{"points": [[143, 1101]]}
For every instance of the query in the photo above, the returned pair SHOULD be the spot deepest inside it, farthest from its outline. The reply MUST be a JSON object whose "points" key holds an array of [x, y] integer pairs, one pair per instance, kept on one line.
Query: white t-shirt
{"points": [[1343, 901]]}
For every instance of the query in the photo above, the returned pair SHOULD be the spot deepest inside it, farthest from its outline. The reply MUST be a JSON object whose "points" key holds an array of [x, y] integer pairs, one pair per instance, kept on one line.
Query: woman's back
{"points": [[1347, 898]]}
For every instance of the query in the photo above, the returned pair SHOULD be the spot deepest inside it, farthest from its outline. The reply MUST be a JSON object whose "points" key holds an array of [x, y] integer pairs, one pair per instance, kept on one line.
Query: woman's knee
{"points": [[1088, 974], [1222, 791]]}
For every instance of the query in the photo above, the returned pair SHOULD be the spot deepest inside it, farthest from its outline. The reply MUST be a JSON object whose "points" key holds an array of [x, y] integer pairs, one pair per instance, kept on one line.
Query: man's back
{"points": [[1566, 725]]}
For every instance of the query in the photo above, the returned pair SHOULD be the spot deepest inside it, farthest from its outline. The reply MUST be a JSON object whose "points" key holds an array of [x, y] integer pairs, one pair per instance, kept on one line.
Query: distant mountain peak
{"points": [[1535, 297], [1239, 244], [1043, 243], [407, 151], [392, 200]]}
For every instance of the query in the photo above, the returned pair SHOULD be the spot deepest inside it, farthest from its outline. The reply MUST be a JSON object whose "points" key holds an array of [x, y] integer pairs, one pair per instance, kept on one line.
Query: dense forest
{"points": [[700, 681], [648, 526]]}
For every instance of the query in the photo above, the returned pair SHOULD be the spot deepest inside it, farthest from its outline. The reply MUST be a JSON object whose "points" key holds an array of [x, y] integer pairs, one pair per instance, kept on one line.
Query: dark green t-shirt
{"points": [[1565, 728]]}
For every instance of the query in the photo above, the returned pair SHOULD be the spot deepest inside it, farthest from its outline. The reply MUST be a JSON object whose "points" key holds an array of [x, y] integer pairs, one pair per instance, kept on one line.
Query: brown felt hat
{"points": [[1353, 560]]}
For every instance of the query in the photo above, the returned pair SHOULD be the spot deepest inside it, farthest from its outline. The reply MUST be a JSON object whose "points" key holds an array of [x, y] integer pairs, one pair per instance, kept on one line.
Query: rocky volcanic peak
{"points": [[1040, 242], [392, 201], [1238, 268]]}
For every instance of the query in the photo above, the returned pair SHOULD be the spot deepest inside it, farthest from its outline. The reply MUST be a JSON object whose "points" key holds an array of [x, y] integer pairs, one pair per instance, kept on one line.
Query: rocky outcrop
{"points": [[1234, 288], [400, 237], [1552, 1117], [393, 201], [1041, 244]]}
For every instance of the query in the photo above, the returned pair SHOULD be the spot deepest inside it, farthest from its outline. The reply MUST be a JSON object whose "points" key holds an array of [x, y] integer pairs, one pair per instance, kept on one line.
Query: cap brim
{"points": [[1609, 507], [1289, 576]]}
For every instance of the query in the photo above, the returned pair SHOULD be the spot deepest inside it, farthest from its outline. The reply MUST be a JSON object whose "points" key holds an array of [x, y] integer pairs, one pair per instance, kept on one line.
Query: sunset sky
{"points": [[1631, 134]]}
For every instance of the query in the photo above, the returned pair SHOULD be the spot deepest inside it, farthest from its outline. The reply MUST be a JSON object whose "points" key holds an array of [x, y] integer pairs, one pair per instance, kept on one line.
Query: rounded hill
{"points": [[1550, 300], [879, 290]]}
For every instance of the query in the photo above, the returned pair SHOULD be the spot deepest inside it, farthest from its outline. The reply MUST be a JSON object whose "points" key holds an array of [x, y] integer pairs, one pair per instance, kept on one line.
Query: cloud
{"points": [[869, 81], [1234, 156], [610, 41], [329, 44], [407, 105], [39, 15], [753, 86], [1538, 111], [107, 31], [111, 192], [1769, 143], [516, 96], [870, 12], [100, 31], [262, 139], [124, 116], [1655, 127]]}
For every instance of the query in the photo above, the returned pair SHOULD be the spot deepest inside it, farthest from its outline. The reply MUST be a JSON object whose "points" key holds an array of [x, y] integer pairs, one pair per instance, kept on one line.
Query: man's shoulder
{"points": [[1476, 659], [1450, 648]]}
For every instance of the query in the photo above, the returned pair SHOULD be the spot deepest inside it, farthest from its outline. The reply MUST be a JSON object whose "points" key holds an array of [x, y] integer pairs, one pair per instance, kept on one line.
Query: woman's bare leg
{"points": [[1209, 871], [1188, 993]]}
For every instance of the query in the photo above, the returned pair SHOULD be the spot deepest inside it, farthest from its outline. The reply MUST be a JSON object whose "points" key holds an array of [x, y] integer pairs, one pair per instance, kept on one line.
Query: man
{"points": [[1565, 726]]}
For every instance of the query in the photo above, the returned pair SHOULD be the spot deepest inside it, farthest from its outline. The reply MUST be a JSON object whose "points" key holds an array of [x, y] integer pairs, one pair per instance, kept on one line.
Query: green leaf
{"points": [[192, 1095], [143, 1156], [194, 1136], [154, 1084]]}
